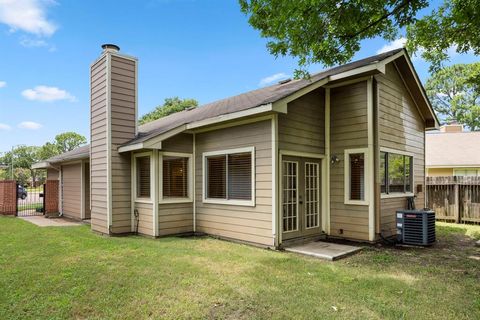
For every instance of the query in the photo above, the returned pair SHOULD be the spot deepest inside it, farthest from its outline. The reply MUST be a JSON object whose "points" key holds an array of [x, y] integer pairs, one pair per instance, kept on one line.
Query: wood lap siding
{"points": [[401, 128], [98, 138], [71, 190], [251, 224], [122, 130], [182, 142], [348, 121], [302, 128], [175, 218], [145, 218]]}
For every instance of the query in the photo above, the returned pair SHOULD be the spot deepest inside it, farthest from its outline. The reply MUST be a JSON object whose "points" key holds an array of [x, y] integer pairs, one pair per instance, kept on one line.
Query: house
{"points": [[452, 151], [334, 155]]}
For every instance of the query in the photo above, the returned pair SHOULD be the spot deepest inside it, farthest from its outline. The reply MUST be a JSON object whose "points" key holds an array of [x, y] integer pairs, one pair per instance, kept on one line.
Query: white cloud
{"points": [[273, 78], [30, 125], [27, 15], [4, 126], [396, 44], [3, 84], [27, 42], [47, 94]]}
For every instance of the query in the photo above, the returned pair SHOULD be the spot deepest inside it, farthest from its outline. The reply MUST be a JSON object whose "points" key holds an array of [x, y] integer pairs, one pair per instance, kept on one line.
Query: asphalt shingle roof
{"points": [[450, 149], [232, 104]]}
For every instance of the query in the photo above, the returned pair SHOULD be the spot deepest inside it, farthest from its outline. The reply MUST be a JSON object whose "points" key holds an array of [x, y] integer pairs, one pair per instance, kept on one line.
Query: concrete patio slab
{"points": [[324, 250], [57, 222]]}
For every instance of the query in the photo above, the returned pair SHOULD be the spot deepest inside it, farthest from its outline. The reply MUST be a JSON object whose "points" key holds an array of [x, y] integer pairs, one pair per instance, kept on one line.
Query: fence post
{"points": [[456, 195]]}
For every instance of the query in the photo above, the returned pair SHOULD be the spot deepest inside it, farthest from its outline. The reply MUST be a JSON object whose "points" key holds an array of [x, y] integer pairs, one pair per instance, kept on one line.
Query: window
{"points": [[466, 172], [396, 173], [356, 186], [142, 164], [175, 177], [357, 176], [229, 176]]}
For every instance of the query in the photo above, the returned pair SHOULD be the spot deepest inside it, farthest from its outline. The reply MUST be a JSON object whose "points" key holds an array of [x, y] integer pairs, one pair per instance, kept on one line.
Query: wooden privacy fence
{"points": [[454, 198]]}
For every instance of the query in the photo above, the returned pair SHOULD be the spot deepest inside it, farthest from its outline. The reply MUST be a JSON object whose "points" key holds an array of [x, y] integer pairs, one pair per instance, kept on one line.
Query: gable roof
{"points": [[248, 100], [452, 149], [269, 95]]}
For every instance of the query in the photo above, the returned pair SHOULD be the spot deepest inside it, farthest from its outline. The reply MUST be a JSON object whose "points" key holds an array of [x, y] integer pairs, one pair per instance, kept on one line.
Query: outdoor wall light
{"points": [[334, 159]]}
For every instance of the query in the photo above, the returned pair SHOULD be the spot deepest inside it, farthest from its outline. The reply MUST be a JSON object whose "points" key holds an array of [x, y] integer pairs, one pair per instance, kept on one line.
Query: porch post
{"points": [[326, 168]]}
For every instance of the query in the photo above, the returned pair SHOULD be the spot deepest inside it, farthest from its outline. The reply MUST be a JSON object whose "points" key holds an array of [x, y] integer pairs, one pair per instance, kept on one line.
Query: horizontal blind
{"points": [[143, 177], [240, 176], [357, 176], [216, 177], [175, 177]]}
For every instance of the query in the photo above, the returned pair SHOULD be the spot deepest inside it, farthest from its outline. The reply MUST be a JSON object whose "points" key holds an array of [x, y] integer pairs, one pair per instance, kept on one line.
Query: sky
{"points": [[202, 49]]}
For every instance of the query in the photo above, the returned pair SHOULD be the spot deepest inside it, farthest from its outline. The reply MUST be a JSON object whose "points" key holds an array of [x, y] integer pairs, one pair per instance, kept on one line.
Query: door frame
{"points": [[324, 216]]}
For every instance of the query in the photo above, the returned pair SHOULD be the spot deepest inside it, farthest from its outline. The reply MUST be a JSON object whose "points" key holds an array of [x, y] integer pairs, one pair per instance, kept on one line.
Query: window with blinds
{"points": [[357, 176], [175, 177], [229, 176], [143, 176], [396, 172]]}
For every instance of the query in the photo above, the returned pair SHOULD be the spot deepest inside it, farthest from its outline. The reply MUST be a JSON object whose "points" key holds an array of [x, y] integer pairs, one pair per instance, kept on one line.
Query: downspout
{"points": [[194, 187], [376, 162]]}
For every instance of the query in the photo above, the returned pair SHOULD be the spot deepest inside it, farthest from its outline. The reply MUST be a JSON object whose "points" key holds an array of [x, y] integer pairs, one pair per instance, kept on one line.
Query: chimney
{"points": [[452, 127], [113, 122]]}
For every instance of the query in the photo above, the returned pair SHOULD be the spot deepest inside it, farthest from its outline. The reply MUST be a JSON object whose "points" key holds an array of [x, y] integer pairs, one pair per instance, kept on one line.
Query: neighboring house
{"points": [[299, 159], [453, 152]]}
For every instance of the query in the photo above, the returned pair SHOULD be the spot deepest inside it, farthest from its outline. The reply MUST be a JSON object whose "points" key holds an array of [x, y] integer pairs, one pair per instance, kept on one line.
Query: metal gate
{"points": [[30, 201]]}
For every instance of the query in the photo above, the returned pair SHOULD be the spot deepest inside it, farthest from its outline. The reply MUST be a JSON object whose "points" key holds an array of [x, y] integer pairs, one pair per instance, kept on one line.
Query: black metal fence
{"points": [[30, 201]]}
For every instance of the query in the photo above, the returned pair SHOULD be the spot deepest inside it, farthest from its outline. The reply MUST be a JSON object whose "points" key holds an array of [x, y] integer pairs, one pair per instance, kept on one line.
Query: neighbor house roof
{"points": [[454, 149], [268, 95]]}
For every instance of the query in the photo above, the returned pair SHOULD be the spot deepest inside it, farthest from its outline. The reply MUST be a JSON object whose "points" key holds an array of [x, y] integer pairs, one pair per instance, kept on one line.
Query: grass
{"points": [[70, 272], [29, 206]]}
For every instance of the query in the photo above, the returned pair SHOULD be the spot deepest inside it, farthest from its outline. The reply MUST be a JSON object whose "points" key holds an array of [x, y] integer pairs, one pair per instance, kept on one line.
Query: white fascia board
{"points": [[41, 165], [131, 147]]}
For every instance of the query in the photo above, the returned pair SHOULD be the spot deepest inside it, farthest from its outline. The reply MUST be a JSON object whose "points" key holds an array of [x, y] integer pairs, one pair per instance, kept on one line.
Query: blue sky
{"points": [[193, 49]]}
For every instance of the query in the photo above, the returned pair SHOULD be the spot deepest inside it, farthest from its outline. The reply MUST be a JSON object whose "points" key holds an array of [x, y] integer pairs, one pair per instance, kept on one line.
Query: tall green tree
{"points": [[454, 96], [330, 31], [68, 141], [169, 106]]}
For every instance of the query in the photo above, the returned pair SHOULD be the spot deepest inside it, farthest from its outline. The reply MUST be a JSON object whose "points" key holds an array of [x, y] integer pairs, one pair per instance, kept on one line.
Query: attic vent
{"points": [[284, 81]]}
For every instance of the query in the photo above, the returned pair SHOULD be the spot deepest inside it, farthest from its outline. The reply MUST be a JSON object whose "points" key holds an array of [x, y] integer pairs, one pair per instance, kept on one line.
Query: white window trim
{"points": [[248, 203], [189, 198], [297, 197], [152, 177], [400, 194], [319, 214], [347, 200]]}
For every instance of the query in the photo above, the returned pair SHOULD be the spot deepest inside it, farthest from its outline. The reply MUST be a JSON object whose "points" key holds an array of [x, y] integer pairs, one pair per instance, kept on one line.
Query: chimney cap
{"points": [[110, 46]]}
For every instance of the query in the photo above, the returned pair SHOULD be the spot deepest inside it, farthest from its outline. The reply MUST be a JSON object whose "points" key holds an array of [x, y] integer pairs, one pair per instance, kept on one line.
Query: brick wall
{"points": [[8, 197], [51, 197]]}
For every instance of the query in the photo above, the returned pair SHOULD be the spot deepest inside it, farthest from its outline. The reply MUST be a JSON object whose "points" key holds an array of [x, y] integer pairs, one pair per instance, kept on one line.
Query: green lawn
{"points": [[72, 273]]}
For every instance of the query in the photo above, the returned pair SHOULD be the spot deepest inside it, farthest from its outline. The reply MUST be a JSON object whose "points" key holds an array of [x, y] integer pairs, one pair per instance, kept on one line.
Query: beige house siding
{"points": [[438, 172], [86, 185], [182, 142], [98, 138], [251, 224], [71, 190], [53, 174], [401, 128], [145, 218], [348, 121], [303, 127], [175, 218], [123, 119]]}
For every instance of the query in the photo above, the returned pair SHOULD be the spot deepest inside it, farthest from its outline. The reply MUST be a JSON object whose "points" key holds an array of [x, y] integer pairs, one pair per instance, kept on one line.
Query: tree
{"points": [[454, 96], [68, 141], [170, 105], [330, 31], [48, 150], [454, 25]]}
